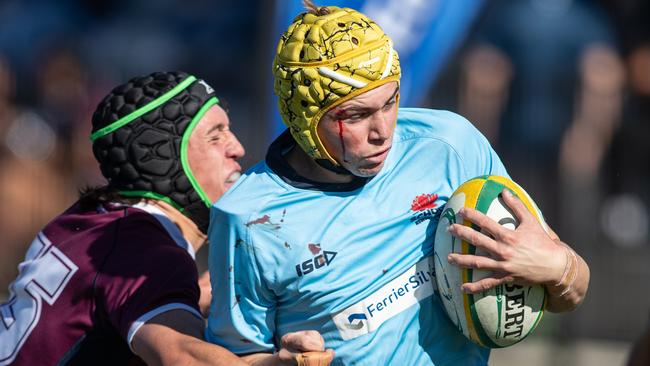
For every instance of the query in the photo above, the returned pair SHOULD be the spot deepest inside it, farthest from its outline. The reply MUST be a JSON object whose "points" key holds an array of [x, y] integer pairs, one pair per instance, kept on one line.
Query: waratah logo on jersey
{"points": [[424, 207], [321, 258]]}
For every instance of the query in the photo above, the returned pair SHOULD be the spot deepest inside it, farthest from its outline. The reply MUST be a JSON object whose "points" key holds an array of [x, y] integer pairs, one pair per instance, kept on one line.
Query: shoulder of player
{"points": [[432, 123], [256, 189], [119, 218], [138, 217], [144, 230], [143, 249], [150, 253], [436, 126]]}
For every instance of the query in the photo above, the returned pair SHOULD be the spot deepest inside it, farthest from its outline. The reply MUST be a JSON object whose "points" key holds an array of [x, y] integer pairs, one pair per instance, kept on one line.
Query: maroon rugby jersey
{"points": [[89, 280]]}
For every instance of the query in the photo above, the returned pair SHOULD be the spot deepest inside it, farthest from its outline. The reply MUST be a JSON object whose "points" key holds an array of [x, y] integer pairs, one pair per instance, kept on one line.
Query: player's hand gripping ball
{"points": [[506, 313]]}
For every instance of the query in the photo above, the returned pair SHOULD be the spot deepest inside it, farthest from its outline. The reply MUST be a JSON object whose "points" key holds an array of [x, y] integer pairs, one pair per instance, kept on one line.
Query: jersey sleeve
{"points": [[146, 274], [242, 313]]}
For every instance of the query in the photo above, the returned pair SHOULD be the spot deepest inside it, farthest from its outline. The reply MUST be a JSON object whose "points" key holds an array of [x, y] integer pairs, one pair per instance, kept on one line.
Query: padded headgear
{"points": [[140, 135], [324, 60]]}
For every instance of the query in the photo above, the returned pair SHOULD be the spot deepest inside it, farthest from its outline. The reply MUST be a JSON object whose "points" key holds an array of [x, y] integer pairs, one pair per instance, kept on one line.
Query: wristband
{"points": [[575, 275], [567, 266]]}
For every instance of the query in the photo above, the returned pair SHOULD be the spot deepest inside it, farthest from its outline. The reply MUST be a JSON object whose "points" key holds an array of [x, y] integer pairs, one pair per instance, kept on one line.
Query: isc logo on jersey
{"points": [[322, 258], [505, 314]]}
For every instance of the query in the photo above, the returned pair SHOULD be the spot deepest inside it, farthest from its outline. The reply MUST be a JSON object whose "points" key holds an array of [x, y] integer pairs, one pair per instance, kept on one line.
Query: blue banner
{"points": [[424, 32]]}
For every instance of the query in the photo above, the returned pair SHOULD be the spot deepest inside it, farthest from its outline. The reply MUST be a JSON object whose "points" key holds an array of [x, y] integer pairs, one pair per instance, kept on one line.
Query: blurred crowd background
{"points": [[561, 88]]}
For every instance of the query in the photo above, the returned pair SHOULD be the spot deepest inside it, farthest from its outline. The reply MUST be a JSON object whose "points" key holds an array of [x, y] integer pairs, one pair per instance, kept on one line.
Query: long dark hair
{"points": [[91, 196]]}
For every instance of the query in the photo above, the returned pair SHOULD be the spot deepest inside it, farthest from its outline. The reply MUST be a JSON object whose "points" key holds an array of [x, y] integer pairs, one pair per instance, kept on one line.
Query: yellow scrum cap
{"points": [[323, 60]]}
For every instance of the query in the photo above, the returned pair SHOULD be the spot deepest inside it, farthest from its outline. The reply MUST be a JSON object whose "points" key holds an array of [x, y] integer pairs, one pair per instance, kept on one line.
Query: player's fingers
{"points": [[474, 262], [484, 284], [315, 358], [302, 341], [521, 212], [483, 221], [475, 238]]}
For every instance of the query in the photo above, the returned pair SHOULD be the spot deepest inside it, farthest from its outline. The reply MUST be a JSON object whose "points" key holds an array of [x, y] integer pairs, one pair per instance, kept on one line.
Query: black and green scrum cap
{"points": [[140, 135]]}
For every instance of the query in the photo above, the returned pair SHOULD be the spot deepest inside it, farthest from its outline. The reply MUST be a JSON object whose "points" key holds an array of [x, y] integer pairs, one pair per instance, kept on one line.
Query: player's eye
{"points": [[216, 136], [219, 134], [357, 116], [354, 116]]}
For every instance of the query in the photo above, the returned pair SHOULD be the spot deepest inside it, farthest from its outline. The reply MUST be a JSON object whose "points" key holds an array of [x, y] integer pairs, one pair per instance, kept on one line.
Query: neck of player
{"points": [[308, 168]]}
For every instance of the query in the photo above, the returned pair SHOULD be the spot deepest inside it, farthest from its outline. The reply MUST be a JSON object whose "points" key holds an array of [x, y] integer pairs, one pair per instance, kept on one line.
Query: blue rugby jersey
{"points": [[351, 261]]}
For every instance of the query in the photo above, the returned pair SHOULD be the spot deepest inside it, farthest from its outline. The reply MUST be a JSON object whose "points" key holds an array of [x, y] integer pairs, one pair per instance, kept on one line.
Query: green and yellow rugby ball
{"points": [[505, 314]]}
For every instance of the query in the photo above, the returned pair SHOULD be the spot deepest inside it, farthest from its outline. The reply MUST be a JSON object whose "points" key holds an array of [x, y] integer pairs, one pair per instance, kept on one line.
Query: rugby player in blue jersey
{"points": [[112, 280], [334, 230]]}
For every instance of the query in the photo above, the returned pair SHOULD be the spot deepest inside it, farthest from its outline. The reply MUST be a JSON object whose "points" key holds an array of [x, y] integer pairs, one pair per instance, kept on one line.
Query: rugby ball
{"points": [[505, 314]]}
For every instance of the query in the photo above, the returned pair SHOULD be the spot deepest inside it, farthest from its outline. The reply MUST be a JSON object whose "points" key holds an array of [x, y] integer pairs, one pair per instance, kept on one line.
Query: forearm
{"points": [[261, 359], [572, 288], [192, 351], [187, 350], [175, 338]]}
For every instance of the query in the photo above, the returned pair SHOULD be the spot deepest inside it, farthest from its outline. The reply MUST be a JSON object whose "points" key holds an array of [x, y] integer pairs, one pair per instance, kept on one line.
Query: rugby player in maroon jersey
{"points": [[112, 280]]}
